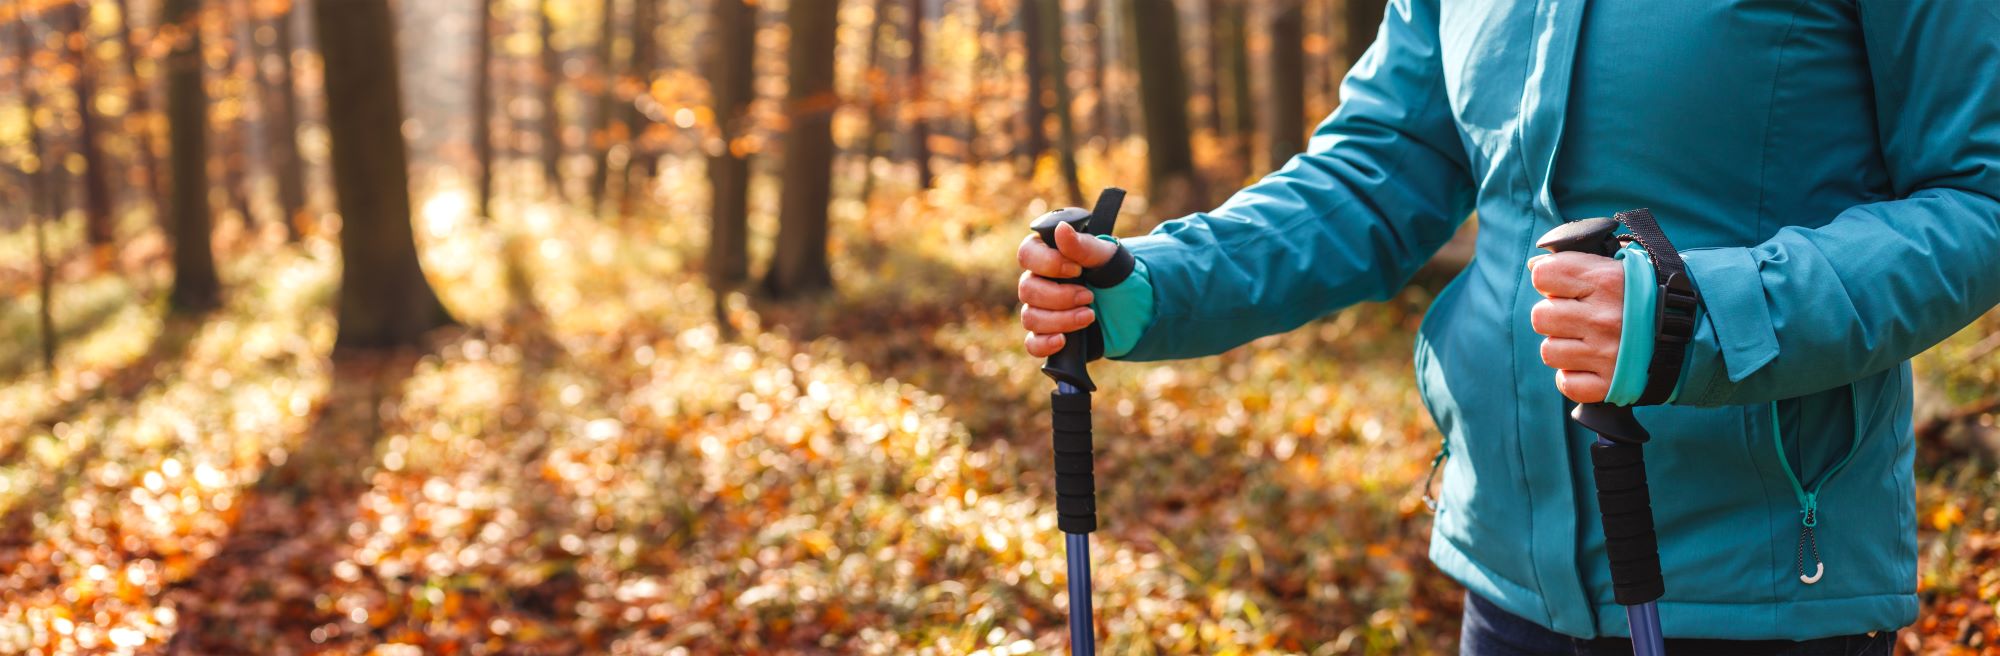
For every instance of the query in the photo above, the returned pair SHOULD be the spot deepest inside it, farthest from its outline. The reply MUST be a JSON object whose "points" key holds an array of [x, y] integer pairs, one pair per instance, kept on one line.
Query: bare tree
{"points": [[195, 288], [35, 182], [917, 105], [605, 84], [97, 219], [283, 121], [385, 302], [1288, 81], [1050, 51], [551, 124], [1163, 94], [799, 266], [138, 113], [733, 24], [482, 106]]}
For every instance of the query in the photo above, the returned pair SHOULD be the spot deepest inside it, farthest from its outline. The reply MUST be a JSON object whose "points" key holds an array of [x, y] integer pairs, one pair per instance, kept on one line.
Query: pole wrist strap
{"points": [[1677, 301]]}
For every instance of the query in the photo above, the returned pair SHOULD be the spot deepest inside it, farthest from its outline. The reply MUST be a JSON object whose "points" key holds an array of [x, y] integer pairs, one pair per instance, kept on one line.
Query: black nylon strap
{"points": [[1076, 485], [1631, 545], [1112, 271], [1677, 302]]}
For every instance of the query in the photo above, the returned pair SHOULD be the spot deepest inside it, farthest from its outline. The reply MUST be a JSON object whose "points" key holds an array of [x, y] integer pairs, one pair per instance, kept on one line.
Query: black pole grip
{"points": [[1068, 365], [1627, 507], [1076, 485]]}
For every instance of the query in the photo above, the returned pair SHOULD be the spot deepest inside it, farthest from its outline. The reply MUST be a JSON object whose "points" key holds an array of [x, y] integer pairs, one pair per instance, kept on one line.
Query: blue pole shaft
{"points": [[1644, 620], [1082, 635]]}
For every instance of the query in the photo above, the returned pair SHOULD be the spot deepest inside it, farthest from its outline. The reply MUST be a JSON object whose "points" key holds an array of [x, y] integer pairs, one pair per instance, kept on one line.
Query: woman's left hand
{"points": [[1580, 316]]}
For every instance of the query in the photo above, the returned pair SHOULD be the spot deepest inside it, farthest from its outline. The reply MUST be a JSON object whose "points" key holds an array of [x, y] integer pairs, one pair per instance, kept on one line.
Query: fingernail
{"points": [[1083, 297], [1072, 270], [1089, 315]]}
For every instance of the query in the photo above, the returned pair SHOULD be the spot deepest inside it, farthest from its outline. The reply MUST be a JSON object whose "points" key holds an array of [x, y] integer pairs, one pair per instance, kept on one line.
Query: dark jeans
{"points": [[1489, 631]]}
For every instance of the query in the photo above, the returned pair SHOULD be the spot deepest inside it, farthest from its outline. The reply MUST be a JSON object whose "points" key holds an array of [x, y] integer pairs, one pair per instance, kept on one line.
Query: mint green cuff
{"points": [[1635, 337], [1125, 310]]}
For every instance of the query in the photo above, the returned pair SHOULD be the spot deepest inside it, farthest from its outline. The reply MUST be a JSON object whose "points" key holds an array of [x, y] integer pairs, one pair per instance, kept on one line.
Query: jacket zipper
{"points": [[1809, 499]]}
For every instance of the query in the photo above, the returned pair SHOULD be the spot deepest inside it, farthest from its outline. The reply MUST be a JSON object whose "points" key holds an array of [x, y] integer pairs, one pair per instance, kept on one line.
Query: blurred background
{"points": [[686, 327]]}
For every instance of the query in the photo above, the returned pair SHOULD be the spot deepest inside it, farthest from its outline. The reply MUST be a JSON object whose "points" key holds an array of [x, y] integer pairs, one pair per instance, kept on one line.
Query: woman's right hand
{"points": [[1049, 308]]}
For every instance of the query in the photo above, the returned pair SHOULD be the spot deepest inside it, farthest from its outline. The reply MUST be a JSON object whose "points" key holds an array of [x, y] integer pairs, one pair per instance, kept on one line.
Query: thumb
{"points": [[1083, 249]]}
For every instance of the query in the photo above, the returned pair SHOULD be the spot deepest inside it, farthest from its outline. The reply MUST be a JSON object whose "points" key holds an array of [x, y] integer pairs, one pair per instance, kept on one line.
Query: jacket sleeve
{"points": [[1811, 309], [1383, 184]]}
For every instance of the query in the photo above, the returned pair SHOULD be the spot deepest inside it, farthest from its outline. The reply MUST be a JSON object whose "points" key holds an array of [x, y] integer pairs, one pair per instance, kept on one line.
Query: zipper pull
{"points": [[1431, 502], [1809, 521]]}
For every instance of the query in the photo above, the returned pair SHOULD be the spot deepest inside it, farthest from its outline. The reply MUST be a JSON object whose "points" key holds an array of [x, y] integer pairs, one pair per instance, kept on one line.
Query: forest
{"points": [[689, 327]]}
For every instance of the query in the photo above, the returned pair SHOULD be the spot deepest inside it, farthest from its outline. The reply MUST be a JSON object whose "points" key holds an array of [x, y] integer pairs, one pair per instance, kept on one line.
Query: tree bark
{"points": [[1364, 17], [642, 161], [1242, 118], [875, 83], [385, 302], [482, 107], [1288, 82], [1163, 92], [733, 26], [1051, 52], [551, 128], [799, 266], [606, 85], [918, 103], [283, 124], [1036, 141], [41, 199], [138, 114], [195, 288], [99, 226]]}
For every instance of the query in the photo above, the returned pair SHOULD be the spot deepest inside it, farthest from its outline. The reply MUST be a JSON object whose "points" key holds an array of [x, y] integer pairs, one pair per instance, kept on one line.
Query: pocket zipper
{"points": [[1809, 499]]}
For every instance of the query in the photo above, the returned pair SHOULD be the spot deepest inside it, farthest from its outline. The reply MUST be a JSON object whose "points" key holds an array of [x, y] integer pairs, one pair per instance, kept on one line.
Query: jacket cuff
{"points": [[1734, 336], [1125, 310]]}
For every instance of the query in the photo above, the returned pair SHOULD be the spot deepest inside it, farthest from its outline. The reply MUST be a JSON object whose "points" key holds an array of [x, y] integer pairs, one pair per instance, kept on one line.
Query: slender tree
{"points": [[642, 161], [799, 266], [385, 302], [36, 183], [195, 288], [283, 122], [1364, 17], [98, 227], [733, 26], [482, 106], [875, 87], [1035, 66], [1235, 45], [236, 148], [551, 79], [917, 105], [605, 85], [1050, 52], [1163, 94], [138, 113], [1288, 81]]}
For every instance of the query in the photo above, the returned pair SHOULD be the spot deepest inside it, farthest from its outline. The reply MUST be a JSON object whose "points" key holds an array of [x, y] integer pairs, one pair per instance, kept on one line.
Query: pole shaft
{"points": [[1082, 635]]}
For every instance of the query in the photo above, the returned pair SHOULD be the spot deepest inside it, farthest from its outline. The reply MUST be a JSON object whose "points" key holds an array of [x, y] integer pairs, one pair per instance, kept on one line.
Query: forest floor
{"points": [[593, 464]]}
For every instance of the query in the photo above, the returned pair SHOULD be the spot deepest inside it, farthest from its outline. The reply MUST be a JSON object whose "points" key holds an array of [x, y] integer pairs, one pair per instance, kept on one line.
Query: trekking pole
{"points": [[1076, 488], [1618, 464]]}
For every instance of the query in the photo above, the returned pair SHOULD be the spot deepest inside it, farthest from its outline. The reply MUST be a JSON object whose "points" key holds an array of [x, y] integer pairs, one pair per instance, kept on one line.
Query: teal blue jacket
{"points": [[1830, 167]]}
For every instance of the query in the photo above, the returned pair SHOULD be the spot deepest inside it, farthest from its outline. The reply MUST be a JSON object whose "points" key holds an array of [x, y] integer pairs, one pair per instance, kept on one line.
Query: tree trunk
{"points": [[1288, 82], [1163, 92], [601, 136], [733, 26], [799, 266], [1364, 17], [40, 199], [918, 103], [99, 228], [482, 107], [283, 125], [641, 162], [385, 301], [241, 72], [1050, 51], [875, 83], [1033, 43], [551, 129], [1100, 53], [138, 113], [195, 288], [1236, 75]]}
